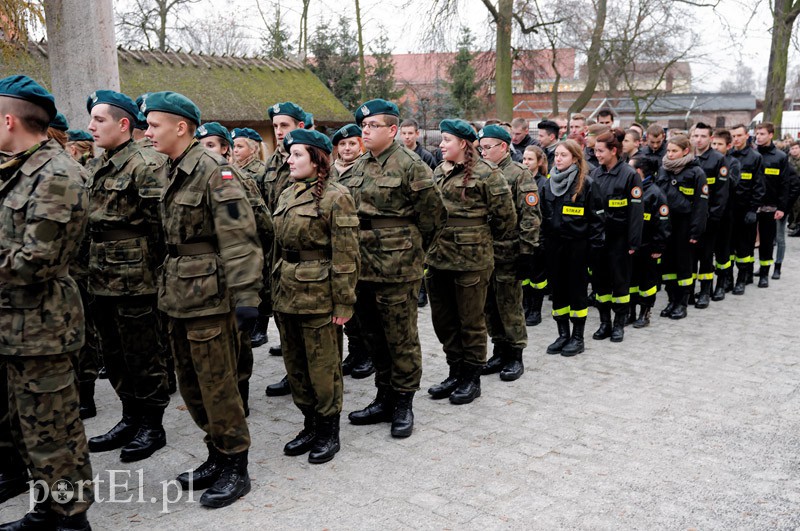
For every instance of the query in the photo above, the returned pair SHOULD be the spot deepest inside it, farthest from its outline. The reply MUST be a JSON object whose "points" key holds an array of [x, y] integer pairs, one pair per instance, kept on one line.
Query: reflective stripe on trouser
{"points": [[566, 272], [505, 319], [705, 251], [767, 229], [679, 255], [645, 275], [611, 268], [743, 238]]}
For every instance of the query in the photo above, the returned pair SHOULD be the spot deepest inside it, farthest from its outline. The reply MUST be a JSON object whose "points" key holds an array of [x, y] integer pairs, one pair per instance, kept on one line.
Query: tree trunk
{"points": [[302, 47], [362, 68], [504, 98], [784, 12], [592, 60], [557, 82], [162, 27]]}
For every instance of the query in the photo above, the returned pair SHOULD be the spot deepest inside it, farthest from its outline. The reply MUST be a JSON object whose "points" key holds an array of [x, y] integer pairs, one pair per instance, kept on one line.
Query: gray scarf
{"points": [[677, 165], [560, 182]]}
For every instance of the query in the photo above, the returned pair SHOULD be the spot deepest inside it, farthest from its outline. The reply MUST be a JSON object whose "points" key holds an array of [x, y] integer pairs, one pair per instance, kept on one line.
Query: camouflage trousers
{"points": [[458, 299], [505, 318], [206, 361], [387, 313], [244, 356], [89, 357], [355, 338], [45, 425], [313, 361], [133, 342]]}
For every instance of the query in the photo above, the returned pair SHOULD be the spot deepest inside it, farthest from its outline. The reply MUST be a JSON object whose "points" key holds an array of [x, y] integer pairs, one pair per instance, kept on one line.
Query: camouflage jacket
{"points": [[276, 177], [205, 205], [322, 285], [395, 184], [254, 169], [266, 232], [125, 237], [43, 214], [487, 198], [524, 239]]}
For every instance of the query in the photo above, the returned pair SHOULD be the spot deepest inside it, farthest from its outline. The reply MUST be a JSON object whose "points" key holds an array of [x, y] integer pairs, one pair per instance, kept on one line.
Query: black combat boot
{"points": [[349, 360], [150, 438], [326, 443], [364, 367], [498, 360], [618, 328], [244, 392], [305, 439], [279, 389], [276, 351], [469, 385], [763, 277], [448, 385], [704, 297], [74, 522], [13, 476], [534, 315], [604, 331], [562, 322], [683, 301], [403, 415], [258, 336], [172, 380], [672, 300], [41, 518], [644, 317], [741, 281], [206, 474], [87, 408], [719, 289], [575, 344], [120, 435], [749, 279], [380, 410], [729, 280], [513, 368], [232, 484], [776, 273]]}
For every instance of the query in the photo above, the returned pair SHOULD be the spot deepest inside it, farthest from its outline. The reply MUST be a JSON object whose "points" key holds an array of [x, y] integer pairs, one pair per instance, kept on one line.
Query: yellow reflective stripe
{"points": [[669, 276], [746, 176], [772, 171], [658, 261], [766, 263], [540, 285], [589, 270], [560, 311], [711, 180], [526, 282], [615, 203], [686, 281], [745, 260], [648, 292], [621, 300], [602, 298], [686, 191], [705, 276], [633, 289], [723, 265], [572, 211], [647, 216], [579, 313]]}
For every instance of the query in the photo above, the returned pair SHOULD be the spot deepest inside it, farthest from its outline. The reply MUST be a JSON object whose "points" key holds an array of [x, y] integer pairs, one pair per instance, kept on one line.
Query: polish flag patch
{"points": [[227, 175]]}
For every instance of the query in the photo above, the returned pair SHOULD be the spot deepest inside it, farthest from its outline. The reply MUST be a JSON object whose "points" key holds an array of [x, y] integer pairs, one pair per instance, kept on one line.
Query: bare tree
{"points": [[302, 41], [152, 23], [743, 80], [19, 18], [217, 35], [784, 13]]}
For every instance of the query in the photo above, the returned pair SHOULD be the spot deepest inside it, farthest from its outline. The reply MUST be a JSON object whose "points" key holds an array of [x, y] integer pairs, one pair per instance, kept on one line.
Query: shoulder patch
{"points": [[531, 199], [663, 210], [705, 189], [723, 171], [636, 192], [227, 175]]}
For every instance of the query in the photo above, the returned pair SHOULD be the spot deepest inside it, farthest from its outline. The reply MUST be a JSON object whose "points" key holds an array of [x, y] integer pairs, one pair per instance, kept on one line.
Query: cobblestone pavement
{"points": [[691, 424]]}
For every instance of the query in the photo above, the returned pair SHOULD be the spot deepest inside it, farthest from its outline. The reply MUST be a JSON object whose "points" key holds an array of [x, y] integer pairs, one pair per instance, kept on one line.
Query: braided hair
{"points": [[470, 158], [322, 161]]}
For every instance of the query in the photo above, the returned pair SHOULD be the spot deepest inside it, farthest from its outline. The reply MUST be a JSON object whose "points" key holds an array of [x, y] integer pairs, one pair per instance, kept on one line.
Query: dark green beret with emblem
{"points": [[214, 129], [172, 103], [459, 128], [289, 109], [59, 122], [308, 137], [78, 135], [117, 99], [141, 122], [495, 131], [25, 88], [246, 132], [348, 131], [377, 106], [308, 121]]}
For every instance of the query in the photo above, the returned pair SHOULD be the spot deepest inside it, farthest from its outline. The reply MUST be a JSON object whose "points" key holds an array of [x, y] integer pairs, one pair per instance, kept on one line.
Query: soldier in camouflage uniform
{"points": [[209, 286], [513, 259], [401, 214], [480, 211], [316, 267], [42, 220]]}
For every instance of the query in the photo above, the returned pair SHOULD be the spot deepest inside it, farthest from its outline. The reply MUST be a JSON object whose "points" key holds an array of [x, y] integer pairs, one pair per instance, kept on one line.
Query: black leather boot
{"points": [[469, 385], [259, 335], [364, 368], [279, 389], [575, 344], [13, 476], [244, 392], [349, 361], [741, 281], [749, 279], [498, 360], [326, 443], [672, 298], [604, 331], [74, 522], [205, 475], [776, 273], [644, 317], [562, 322], [534, 315], [618, 328], [719, 289], [729, 280], [87, 408], [763, 277], [232, 484], [513, 368], [403, 415], [380, 410], [448, 385], [150, 438], [41, 518], [276, 351], [704, 297], [680, 309], [120, 435], [304, 440]]}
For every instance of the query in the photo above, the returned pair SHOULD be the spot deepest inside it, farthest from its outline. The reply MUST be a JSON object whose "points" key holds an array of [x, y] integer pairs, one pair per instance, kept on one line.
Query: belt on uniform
{"points": [[466, 222], [294, 257], [383, 223], [190, 249], [116, 234]]}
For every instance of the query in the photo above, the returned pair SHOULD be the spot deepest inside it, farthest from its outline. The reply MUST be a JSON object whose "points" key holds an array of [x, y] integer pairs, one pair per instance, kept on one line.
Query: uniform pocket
{"points": [[208, 349], [197, 282], [45, 397], [467, 280], [391, 299], [311, 272], [468, 238], [395, 243]]}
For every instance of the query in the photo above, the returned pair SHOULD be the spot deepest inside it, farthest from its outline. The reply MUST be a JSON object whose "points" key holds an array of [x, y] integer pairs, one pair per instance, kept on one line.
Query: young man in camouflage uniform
{"points": [[210, 284], [401, 213], [42, 220]]}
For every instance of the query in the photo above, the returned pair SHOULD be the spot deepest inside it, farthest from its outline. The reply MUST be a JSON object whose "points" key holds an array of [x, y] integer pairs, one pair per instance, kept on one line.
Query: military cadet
{"points": [[286, 117], [308, 121], [721, 141], [248, 152], [400, 215], [348, 146], [656, 146], [480, 212], [80, 145], [655, 232], [125, 247], [684, 183], [749, 197], [209, 287], [316, 268], [572, 223], [535, 286], [513, 259], [713, 164], [43, 216], [58, 128], [548, 138]]}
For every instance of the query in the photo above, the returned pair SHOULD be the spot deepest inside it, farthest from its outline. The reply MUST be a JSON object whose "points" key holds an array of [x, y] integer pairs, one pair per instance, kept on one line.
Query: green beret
{"points": [[214, 129], [78, 135], [308, 137], [349, 130], [246, 132], [24, 88], [495, 131], [59, 122], [308, 121], [171, 102], [549, 126], [378, 106], [117, 99], [459, 128], [141, 122], [289, 109]]}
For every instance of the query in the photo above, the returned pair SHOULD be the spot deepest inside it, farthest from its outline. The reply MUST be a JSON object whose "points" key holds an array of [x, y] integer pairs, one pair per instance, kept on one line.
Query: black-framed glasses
{"points": [[373, 125], [482, 149]]}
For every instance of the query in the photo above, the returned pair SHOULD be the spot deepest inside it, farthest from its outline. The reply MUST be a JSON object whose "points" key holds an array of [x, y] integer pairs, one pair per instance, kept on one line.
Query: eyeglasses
{"points": [[482, 149], [373, 125]]}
